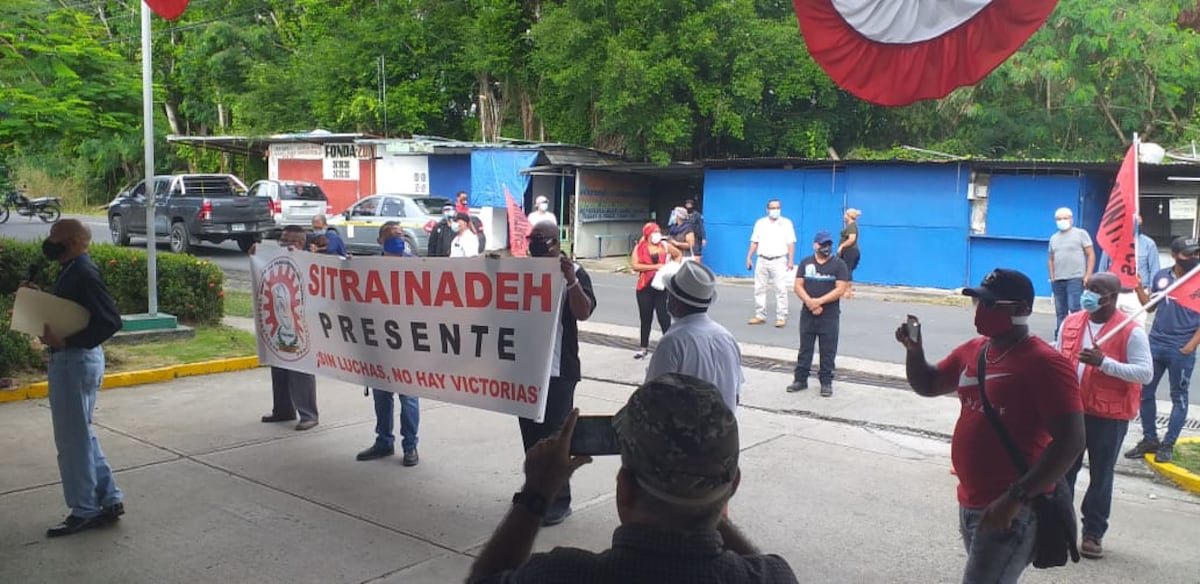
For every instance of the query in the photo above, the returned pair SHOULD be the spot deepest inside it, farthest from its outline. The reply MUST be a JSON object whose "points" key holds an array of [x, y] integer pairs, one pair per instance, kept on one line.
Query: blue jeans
{"points": [[88, 485], [1066, 299], [1104, 438], [996, 557], [1179, 370], [410, 418]]}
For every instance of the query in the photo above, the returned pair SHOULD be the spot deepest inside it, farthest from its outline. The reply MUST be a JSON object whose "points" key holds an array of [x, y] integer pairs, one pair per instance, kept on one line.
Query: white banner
{"points": [[478, 332]]}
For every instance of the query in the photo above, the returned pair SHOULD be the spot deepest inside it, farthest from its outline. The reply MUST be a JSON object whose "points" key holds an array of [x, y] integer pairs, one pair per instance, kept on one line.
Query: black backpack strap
{"points": [[1013, 452]]}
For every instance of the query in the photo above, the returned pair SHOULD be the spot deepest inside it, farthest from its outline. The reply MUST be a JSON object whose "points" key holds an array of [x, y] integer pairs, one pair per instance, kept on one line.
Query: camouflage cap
{"points": [[680, 440]]}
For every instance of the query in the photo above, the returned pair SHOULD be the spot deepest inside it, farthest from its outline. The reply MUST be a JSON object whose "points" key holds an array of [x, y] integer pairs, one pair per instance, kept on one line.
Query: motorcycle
{"points": [[48, 209]]}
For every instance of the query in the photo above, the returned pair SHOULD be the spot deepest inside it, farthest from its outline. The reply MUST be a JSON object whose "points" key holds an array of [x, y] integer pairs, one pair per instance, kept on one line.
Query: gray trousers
{"points": [[293, 392]]}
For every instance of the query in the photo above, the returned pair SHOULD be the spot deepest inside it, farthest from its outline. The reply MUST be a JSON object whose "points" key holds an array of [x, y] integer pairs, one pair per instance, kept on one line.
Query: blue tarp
{"points": [[492, 170]]}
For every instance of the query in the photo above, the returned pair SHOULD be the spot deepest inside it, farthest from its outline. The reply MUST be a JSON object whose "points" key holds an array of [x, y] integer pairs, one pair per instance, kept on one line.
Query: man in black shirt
{"points": [[679, 468], [578, 303], [821, 280], [75, 372], [442, 234]]}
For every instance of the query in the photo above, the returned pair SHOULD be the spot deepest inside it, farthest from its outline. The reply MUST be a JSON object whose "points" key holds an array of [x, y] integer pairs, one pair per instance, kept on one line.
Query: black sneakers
{"points": [[374, 452], [411, 458], [1142, 449], [826, 390], [1165, 453], [797, 385]]}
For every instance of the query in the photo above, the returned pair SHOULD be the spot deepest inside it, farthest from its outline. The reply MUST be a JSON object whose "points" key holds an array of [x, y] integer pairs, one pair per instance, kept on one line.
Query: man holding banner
{"points": [[578, 302], [1173, 341]]}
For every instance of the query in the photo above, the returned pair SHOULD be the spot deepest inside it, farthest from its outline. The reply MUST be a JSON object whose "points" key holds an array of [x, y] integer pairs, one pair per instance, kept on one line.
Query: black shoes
{"points": [[555, 519], [374, 452], [72, 524], [797, 386], [411, 458], [1143, 448], [1165, 454], [277, 418], [826, 390], [306, 425]]}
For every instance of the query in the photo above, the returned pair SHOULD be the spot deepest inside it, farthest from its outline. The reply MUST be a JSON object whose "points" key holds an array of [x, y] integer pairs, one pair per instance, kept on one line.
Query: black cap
{"points": [[1184, 245], [1001, 285]]}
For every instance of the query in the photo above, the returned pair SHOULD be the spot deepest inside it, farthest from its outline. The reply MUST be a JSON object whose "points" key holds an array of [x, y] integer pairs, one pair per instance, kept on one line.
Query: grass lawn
{"points": [[1187, 455], [239, 303], [212, 342]]}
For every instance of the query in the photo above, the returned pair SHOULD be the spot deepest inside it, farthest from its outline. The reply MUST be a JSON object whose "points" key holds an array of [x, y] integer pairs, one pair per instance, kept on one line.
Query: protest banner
{"points": [[475, 332], [1117, 233], [518, 227]]}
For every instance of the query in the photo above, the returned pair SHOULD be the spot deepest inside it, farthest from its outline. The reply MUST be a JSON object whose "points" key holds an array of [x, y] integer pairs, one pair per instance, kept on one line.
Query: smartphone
{"points": [[912, 326], [594, 436]]}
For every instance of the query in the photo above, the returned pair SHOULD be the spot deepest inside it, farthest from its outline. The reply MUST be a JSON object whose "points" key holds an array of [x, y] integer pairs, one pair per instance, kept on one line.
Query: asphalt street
{"points": [[867, 323]]}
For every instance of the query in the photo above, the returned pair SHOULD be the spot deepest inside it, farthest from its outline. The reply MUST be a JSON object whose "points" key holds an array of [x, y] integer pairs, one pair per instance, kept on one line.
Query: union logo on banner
{"points": [[281, 325]]}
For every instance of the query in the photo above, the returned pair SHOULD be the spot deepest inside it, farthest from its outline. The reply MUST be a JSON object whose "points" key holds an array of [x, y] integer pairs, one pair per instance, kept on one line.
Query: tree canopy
{"points": [[654, 80]]}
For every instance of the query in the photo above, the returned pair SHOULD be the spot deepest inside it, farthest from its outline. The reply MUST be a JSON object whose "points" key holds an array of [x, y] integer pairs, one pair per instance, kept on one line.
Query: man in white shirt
{"points": [[466, 243], [774, 239], [1110, 382], [541, 212], [695, 344]]}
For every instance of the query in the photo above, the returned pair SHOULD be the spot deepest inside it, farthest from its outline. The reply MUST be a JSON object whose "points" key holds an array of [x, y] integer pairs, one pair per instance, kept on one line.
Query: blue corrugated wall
{"points": [[449, 174], [914, 224], [1020, 221]]}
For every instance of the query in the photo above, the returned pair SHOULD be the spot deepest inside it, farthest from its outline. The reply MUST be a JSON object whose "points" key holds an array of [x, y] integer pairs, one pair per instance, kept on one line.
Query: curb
{"points": [[42, 389], [1186, 479]]}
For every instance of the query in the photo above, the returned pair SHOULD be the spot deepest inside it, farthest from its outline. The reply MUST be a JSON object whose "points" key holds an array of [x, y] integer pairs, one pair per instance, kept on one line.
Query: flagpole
{"points": [[148, 138], [1137, 205], [1155, 299]]}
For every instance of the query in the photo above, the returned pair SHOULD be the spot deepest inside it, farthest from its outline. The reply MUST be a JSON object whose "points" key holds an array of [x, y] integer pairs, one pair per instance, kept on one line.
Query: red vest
{"points": [[1104, 396]]}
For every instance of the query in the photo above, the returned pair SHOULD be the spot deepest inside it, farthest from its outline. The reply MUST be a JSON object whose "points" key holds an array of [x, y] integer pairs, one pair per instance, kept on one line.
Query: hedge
{"points": [[189, 288]]}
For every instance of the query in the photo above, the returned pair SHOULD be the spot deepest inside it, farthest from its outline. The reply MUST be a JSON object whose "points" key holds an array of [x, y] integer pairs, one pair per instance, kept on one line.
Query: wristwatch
{"points": [[532, 502]]}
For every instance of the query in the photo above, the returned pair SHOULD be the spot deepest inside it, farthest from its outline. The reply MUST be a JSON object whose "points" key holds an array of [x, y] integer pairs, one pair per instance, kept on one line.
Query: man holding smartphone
{"points": [[679, 468], [1034, 391]]}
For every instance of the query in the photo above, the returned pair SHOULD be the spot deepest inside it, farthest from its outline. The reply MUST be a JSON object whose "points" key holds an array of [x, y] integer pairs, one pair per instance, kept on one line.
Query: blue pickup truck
{"points": [[192, 208]]}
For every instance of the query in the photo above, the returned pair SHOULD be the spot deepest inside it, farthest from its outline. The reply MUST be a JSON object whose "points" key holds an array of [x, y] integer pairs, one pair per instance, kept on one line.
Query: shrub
{"points": [[189, 288], [16, 350]]}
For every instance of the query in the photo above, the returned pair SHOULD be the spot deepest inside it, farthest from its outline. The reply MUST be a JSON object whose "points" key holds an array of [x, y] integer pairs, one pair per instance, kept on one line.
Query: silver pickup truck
{"points": [[191, 208]]}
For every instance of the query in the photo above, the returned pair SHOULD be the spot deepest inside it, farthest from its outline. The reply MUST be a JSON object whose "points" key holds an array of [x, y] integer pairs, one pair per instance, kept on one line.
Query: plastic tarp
{"points": [[492, 170]]}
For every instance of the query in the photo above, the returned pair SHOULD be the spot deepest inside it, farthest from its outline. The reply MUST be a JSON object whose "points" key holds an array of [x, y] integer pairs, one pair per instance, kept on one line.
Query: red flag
{"points": [[518, 227], [1187, 292], [168, 9], [1116, 233]]}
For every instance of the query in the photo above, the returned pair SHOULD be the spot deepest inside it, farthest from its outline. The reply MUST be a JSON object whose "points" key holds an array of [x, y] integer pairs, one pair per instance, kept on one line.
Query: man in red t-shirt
{"points": [[1035, 391]]}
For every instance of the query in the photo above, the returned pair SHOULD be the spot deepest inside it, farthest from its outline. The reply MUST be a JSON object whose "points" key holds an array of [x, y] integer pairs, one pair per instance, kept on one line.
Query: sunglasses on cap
{"points": [[976, 301]]}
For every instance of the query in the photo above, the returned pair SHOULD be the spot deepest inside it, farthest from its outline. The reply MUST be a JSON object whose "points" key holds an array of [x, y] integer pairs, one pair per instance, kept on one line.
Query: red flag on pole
{"points": [[518, 227], [1116, 233], [1187, 291], [168, 9]]}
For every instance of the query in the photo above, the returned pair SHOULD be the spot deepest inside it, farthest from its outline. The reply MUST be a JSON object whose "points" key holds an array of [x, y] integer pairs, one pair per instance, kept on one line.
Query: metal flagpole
{"points": [[148, 137], [1150, 304]]}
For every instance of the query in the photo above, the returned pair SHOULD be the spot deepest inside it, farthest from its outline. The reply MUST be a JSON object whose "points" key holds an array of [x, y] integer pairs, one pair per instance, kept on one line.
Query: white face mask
{"points": [[774, 213], [543, 206], [1063, 224], [656, 238]]}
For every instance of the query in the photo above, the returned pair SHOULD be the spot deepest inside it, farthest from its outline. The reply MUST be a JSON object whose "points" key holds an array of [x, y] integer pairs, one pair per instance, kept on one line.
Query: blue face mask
{"points": [[1089, 301], [394, 245]]}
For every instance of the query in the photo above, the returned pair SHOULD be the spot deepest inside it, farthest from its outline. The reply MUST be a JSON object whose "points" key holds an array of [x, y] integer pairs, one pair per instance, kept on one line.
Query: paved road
{"points": [[867, 323]]}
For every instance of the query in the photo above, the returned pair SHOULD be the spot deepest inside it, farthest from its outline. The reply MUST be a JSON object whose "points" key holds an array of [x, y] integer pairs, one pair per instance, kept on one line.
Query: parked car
{"points": [[191, 208], [359, 225], [293, 202]]}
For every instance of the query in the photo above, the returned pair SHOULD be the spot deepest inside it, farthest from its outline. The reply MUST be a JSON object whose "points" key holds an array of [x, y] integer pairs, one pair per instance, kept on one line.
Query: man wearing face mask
{"points": [[774, 240], [821, 281], [392, 241], [75, 371], [579, 300], [541, 212], [465, 244], [442, 234], [335, 245], [1035, 392], [1174, 337], [1071, 261], [1110, 382]]}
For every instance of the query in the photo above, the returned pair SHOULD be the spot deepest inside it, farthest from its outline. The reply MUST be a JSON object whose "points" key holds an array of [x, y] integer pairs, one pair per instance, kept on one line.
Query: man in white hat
{"points": [[695, 344], [541, 212]]}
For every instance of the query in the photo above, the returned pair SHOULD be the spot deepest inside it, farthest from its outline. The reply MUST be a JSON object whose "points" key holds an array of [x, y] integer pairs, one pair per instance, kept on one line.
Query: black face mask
{"points": [[824, 251], [1188, 263], [53, 249], [540, 248]]}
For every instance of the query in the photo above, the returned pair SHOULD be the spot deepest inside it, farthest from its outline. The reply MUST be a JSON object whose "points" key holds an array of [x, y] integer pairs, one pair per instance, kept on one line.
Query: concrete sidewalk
{"points": [[854, 488]]}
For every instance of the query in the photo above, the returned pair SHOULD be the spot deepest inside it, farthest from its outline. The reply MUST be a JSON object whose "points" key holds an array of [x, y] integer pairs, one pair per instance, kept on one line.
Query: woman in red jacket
{"points": [[650, 254]]}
